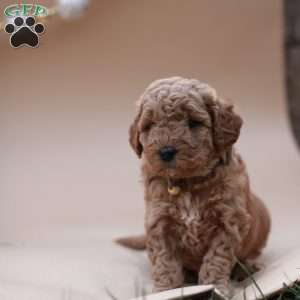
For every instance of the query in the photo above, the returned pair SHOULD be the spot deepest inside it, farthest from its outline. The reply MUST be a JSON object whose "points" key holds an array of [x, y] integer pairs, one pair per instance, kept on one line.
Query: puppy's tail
{"points": [[133, 242]]}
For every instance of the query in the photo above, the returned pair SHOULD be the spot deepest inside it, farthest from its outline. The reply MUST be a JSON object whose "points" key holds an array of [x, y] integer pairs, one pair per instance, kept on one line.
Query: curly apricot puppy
{"points": [[200, 212]]}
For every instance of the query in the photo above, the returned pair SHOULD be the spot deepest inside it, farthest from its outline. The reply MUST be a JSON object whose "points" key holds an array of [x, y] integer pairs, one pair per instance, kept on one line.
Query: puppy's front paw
{"points": [[168, 283], [158, 289], [224, 288], [225, 291]]}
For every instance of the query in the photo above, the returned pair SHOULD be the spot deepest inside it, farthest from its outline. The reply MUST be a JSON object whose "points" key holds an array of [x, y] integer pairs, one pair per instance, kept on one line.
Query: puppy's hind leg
{"points": [[245, 269]]}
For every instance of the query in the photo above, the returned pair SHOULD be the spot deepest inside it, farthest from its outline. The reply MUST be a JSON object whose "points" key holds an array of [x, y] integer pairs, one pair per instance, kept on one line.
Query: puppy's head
{"points": [[182, 128]]}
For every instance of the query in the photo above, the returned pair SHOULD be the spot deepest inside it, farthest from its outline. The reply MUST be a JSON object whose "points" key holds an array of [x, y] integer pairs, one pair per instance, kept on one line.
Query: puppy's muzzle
{"points": [[167, 153]]}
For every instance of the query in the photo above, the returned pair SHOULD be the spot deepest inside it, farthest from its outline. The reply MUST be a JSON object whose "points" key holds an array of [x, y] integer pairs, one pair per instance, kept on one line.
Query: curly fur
{"points": [[215, 219]]}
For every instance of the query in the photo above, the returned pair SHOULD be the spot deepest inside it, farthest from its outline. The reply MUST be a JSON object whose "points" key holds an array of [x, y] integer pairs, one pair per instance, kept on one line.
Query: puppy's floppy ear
{"points": [[134, 134], [226, 124]]}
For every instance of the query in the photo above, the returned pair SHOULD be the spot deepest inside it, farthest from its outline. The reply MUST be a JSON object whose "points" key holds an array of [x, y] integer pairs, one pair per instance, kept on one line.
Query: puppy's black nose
{"points": [[167, 153]]}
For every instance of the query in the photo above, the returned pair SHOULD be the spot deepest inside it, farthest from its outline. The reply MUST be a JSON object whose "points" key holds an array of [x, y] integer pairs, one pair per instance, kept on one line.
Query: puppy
{"points": [[200, 212]]}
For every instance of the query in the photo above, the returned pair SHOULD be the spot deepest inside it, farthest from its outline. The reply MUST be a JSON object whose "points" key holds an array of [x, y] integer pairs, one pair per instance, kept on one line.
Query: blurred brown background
{"points": [[65, 107]]}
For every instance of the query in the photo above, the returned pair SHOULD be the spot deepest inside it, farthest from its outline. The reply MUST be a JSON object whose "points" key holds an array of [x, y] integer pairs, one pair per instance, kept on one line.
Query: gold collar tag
{"points": [[174, 190]]}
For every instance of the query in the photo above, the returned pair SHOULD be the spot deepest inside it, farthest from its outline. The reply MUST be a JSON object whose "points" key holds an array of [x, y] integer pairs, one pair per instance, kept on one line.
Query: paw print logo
{"points": [[24, 32]]}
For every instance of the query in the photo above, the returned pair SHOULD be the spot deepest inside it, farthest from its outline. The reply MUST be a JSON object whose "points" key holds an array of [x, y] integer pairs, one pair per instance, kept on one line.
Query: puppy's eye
{"points": [[194, 124]]}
